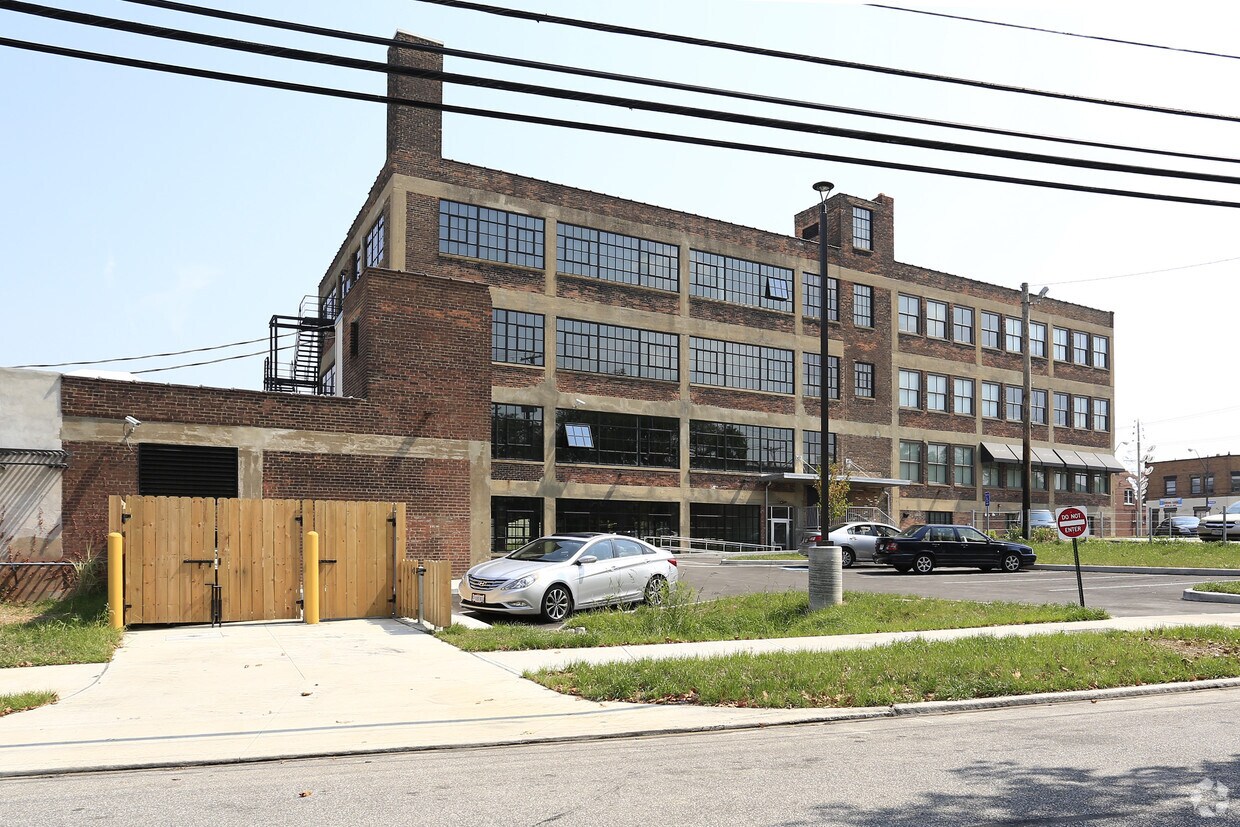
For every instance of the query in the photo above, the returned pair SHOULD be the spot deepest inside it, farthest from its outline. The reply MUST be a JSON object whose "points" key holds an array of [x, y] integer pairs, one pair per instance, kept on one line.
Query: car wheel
{"points": [[923, 564], [902, 569], [557, 604], [847, 558], [656, 590], [1011, 562]]}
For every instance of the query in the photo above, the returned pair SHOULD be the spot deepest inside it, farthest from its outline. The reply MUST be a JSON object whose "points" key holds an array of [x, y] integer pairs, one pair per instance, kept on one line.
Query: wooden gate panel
{"points": [[258, 540], [355, 553], [162, 533]]}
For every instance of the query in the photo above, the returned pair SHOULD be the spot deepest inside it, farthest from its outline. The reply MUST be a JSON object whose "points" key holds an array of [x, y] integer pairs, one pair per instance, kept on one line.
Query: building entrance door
{"points": [[781, 532]]}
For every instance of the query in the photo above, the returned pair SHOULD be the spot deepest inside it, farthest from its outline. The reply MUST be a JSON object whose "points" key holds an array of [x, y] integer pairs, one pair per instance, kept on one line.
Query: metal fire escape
{"points": [[299, 372]]}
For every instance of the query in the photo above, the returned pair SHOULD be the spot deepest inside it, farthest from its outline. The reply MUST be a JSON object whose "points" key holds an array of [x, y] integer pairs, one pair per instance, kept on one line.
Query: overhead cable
{"points": [[610, 28], [601, 99], [209, 361], [1120, 41], [358, 37], [150, 355], [1143, 272], [521, 117]]}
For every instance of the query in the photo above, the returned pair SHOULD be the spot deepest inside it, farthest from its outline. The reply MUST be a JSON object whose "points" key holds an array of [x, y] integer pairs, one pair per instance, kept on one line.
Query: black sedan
{"points": [[1178, 527], [923, 548]]}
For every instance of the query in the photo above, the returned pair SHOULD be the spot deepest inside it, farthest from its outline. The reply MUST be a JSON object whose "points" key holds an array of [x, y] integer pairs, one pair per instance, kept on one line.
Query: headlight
{"points": [[513, 585]]}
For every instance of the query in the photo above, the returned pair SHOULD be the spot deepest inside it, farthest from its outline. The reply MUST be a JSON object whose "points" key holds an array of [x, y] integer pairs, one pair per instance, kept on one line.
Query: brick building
{"points": [[654, 371], [1190, 485]]}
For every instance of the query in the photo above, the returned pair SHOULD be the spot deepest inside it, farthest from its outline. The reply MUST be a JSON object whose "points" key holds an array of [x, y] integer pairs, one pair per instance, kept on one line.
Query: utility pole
{"points": [[1140, 482], [1026, 465]]}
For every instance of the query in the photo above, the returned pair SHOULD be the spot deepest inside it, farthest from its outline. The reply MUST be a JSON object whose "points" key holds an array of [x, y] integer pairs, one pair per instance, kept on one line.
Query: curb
{"points": [[1142, 570], [826, 717], [1210, 597]]}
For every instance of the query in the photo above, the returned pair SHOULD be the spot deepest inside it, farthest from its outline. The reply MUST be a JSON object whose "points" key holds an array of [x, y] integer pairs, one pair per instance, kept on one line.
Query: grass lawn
{"points": [[1143, 553], [73, 630], [763, 615], [1227, 587], [915, 671], [21, 701]]}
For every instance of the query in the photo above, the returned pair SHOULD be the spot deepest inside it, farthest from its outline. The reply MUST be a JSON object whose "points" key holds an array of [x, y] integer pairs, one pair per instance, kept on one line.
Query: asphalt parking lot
{"points": [[1123, 595]]}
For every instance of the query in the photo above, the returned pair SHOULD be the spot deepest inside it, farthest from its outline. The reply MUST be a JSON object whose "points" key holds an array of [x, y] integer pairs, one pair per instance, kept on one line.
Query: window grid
{"points": [[616, 351], [1102, 415], [491, 235], [962, 396], [1080, 348], [600, 438], [724, 446], [863, 380], [813, 374], [990, 400], [517, 337], [1015, 401], [1037, 340], [1037, 407], [863, 305], [936, 319], [1101, 352], [936, 464], [1060, 344], [811, 444], [936, 392], [910, 314], [990, 330], [811, 285], [910, 389], [962, 461], [376, 243], [1061, 409], [739, 281], [1012, 336], [910, 461], [862, 228], [833, 377], [743, 367], [582, 251], [962, 325], [1080, 412], [516, 432]]}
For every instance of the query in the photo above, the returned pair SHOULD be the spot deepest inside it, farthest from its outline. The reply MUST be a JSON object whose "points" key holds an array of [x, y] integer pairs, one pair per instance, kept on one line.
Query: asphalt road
{"points": [[1106, 764], [1123, 595]]}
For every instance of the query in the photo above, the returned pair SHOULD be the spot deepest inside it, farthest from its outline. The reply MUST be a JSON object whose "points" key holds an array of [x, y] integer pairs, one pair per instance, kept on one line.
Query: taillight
{"points": [[673, 561]]}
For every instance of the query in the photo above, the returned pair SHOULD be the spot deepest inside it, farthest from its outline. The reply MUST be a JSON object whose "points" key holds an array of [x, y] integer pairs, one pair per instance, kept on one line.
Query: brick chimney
{"points": [[414, 135]]}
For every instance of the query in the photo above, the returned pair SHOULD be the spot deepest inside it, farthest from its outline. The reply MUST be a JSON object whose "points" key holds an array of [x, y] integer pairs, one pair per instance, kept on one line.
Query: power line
{"points": [[1143, 272], [610, 28], [601, 99], [149, 355], [357, 37], [1056, 31], [208, 362], [602, 128], [1192, 415]]}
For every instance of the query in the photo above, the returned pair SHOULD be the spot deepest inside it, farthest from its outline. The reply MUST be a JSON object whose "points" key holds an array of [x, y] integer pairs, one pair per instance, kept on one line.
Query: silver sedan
{"points": [[554, 575], [856, 539]]}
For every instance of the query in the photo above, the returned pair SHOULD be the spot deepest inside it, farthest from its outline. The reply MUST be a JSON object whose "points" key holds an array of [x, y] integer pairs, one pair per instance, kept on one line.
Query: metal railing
{"points": [[690, 545]]}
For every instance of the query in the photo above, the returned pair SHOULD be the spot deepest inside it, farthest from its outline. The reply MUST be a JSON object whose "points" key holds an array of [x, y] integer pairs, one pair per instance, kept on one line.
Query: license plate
{"points": [[480, 598]]}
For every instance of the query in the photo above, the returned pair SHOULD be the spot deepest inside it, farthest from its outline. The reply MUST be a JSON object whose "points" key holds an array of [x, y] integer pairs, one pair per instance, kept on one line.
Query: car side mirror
{"points": [[586, 558]]}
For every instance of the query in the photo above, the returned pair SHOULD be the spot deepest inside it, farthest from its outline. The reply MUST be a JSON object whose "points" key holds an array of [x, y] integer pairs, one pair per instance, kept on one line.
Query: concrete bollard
{"points": [[826, 577]]}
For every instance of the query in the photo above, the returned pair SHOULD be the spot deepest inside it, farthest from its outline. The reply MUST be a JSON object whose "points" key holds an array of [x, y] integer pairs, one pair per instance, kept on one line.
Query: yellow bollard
{"points": [[310, 580], [116, 580]]}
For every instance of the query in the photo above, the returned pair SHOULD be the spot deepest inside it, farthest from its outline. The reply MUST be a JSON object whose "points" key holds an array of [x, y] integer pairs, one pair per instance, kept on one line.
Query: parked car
{"points": [[1042, 518], [1177, 527], [924, 548], [1211, 525], [554, 575], [855, 539]]}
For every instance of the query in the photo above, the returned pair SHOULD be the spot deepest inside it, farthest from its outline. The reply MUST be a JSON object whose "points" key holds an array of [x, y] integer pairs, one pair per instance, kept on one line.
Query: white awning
{"points": [[1110, 462], [1071, 458], [1002, 452], [1045, 456], [1092, 461]]}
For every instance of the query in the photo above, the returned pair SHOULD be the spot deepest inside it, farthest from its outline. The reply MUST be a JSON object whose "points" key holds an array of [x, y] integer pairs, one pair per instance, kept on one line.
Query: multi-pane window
{"points": [[581, 251], [1102, 414], [910, 389], [990, 474], [1012, 336], [1102, 353], [516, 432], [1235, 481], [618, 351], [737, 280], [811, 448], [744, 367], [831, 442], [1015, 401], [910, 314], [936, 392], [1037, 407], [812, 284], [1061, 409], [1011, 476], [1169, 486], [910, 461], [1037, 339], [962, 465], [863, 305], [962, 396], [813, 373], [1060, 351], [936, 319], [1100, 483], [962, 325], [1080, 482], [723, 446], [990, 400], [1209, 483], [833, 377], [1080, 412], [516, 337], [990, 330], [1037, 478], [863, 380], [376, 242], [862, 228], [1194, 485], [1080, 348], [599, 438], [1061, 480], [936, 464], [514, 522], [493, 235]]}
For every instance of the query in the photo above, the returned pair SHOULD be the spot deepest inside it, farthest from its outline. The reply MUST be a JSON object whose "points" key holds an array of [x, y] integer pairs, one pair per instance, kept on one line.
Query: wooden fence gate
{"points": [[192, 560]]}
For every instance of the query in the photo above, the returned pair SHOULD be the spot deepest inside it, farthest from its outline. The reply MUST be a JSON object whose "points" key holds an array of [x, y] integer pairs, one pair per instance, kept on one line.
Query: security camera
{"points": [[577, 403], [132, 421]]}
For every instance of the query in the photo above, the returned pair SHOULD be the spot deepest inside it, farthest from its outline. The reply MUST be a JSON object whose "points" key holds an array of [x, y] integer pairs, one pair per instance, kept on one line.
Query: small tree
{"points": [[835, 504], [1136, 458]]}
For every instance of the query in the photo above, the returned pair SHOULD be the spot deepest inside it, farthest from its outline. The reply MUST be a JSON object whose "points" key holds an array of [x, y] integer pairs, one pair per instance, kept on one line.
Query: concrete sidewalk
{"points": [[244, 692]]}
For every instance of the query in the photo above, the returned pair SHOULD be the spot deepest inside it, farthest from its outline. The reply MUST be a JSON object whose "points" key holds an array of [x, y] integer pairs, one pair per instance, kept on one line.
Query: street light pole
{"points": [[823, 188], [1026, 466]]}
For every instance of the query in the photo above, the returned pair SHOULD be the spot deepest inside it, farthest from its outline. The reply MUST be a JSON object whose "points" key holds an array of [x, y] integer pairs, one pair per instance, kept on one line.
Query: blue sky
{"points": [[148, 213]]}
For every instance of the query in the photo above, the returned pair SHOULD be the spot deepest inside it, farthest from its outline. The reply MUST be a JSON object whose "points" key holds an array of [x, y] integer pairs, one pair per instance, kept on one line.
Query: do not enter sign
{"points": [[1072, 523]]}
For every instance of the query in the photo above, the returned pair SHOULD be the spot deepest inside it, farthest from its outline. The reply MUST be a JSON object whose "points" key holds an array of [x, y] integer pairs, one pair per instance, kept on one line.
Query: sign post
{"points": [[1073, 524]]}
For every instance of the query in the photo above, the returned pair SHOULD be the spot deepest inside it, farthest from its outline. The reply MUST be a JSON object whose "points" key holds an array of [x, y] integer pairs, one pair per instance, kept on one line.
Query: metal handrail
{"points": [[706, 544]]}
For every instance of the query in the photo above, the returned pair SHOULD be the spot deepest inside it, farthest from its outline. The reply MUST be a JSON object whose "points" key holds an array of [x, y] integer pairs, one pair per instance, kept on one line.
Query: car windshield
{"points": [[1185, 520], [1040, 515], [911, 531], [548, 550], [1234, 508]]}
